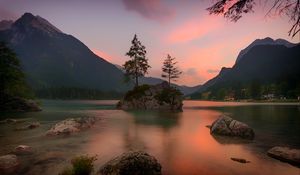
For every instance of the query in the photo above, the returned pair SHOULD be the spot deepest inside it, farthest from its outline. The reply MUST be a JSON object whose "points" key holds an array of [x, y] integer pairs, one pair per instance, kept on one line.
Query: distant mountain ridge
{"points": [[278, 62], [54, 60], [51, 58], [265, 41]]}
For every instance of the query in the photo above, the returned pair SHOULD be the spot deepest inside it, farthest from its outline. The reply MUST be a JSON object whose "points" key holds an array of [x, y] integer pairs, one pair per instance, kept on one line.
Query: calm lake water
{"points": [[180, 141]]}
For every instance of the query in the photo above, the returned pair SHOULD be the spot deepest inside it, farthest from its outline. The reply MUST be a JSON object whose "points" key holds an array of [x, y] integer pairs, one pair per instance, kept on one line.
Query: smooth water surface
{"points": [[180, 141]]}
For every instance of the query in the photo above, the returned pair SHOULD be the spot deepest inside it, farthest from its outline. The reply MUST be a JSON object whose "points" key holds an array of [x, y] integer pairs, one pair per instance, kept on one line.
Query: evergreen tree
{"points": [[170, 71], [138, 65], [11, 76]]}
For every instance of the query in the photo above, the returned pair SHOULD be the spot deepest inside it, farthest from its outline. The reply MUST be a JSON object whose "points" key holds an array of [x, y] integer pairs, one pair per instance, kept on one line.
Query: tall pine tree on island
{"points": [[170, 71], [138, 65]]}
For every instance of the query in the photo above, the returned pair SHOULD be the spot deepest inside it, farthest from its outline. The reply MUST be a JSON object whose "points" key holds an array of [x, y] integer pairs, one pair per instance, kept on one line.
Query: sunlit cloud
{"points": [[193, 29], [153, 9]]}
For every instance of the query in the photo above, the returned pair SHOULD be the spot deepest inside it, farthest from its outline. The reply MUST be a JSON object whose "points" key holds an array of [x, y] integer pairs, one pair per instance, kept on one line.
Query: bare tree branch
{"points": [[234, 10]]}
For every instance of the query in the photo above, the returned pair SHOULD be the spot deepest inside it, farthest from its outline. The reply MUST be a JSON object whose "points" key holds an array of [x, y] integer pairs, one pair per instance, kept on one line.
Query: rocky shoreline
{"points": [[18, 104]]}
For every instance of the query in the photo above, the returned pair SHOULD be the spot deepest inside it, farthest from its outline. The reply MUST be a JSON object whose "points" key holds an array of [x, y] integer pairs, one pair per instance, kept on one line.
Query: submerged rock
{"points": [[8, 121], [240, 160], [285, 154], [229, 127], [156, 97], [31, 125], [132, 163], [8, 164], [71, 125], [23, 149], [13, 121]]}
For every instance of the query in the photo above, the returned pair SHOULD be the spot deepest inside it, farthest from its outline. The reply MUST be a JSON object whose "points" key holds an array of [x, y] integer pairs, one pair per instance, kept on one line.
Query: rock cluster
{"points": [[156, 97], [71, 125], [229, 127], [133, 162], [285, 154]]}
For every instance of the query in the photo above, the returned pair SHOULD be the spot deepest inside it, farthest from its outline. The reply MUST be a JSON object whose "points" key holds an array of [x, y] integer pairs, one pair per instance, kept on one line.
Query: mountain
{"points": [[5, 24], [53, 59], [267, 64], [265, 41]]}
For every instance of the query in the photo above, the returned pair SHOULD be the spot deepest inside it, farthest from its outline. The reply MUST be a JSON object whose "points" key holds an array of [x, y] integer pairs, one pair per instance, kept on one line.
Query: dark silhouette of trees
{"points": [[11, 76], [233, 10], [138, 65], [170, 71]]}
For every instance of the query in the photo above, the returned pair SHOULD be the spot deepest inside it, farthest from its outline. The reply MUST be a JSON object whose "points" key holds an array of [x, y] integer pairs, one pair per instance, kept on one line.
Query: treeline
{"points": [[76, 93], [254, 90]]}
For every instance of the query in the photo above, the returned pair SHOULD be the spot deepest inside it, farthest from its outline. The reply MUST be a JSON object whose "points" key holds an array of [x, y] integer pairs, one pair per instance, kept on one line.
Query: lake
{"points": [[180, 141]]}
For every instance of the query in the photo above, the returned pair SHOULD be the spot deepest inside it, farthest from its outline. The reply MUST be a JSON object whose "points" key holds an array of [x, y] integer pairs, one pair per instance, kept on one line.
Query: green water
{"points": [[180, 141]]}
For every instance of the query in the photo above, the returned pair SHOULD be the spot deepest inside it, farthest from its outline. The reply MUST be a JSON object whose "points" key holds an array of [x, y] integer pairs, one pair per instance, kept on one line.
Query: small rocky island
{"points": [[154, 97]]}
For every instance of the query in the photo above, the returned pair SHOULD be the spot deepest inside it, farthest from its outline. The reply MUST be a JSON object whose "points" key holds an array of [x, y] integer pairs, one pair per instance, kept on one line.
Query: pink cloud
{"points": [[150, 9], [193, 29]]}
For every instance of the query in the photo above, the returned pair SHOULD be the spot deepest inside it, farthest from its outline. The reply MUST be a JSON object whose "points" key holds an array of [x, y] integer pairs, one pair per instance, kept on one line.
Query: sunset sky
{"points": [[202, 43]]}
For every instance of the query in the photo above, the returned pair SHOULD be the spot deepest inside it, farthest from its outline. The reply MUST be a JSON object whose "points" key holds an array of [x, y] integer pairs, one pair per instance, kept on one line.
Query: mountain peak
{"points": [[264, 41], [28, 16], [28, 21]]}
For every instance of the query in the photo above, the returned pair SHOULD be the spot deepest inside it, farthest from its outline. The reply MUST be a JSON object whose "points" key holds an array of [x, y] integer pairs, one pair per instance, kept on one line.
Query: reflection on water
{"points": [[180, 141]]}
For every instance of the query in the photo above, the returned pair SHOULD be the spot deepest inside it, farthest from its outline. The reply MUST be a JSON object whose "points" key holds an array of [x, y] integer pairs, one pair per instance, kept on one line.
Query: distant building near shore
{"points": [[268, 96]]}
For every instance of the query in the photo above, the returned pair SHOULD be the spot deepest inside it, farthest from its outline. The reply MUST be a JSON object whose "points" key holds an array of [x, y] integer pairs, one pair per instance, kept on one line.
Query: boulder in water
{"points": [[133, 162], [23, 149], [229, 127], [285, 154], [71, 125], [240, 160], [31, 125], [8, 164]]}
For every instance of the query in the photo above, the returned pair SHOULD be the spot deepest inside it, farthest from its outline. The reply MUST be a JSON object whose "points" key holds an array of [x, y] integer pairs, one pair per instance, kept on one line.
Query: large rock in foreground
{"points": [[285, 154], [71, 125], [157, 97], [229, 127], [8, 164], [132, 163]]}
